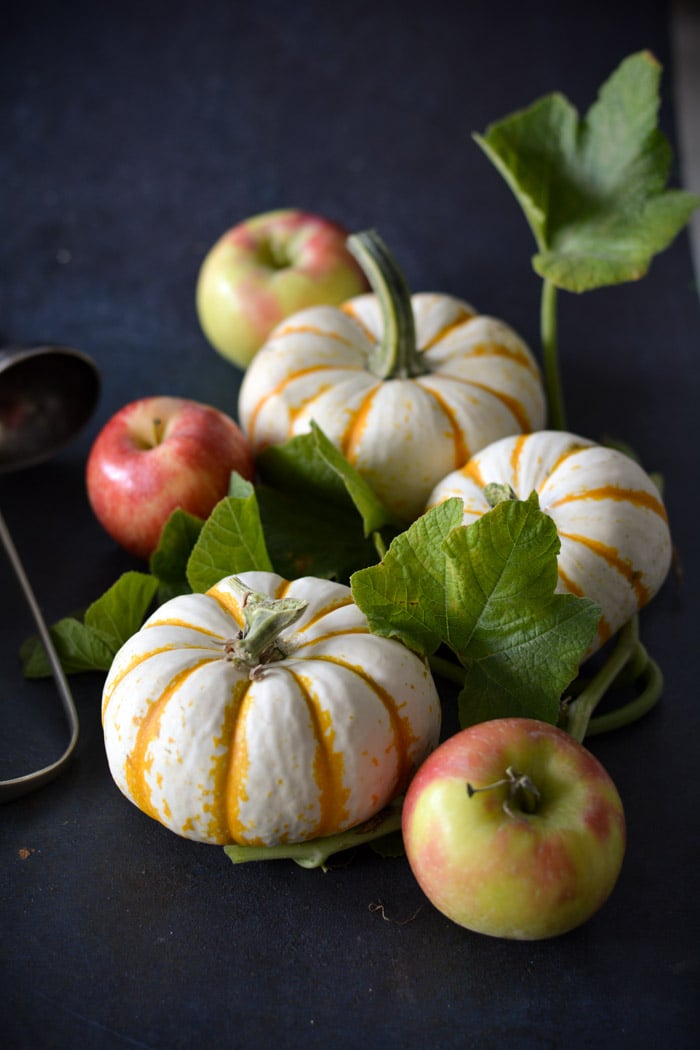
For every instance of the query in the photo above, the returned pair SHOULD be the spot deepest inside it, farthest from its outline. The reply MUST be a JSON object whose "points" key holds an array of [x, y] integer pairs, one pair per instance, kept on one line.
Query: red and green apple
{"points": [[155, 455], [265, 269], [514, 829]]}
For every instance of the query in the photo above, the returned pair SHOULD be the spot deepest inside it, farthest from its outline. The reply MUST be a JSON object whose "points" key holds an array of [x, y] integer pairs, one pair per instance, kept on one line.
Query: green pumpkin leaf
{"points": [[409, 594], [121, 610], [78, 649], [168, 562], [90, 643], [311, 465], [487, 592], [306, 537], [593, 189], [521, 643], [231, 541]]}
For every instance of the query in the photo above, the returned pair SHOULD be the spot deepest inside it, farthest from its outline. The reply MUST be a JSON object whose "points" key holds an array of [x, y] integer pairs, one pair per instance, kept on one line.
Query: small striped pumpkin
{"points": [[611, 521], [264, 712], [407, 387]]}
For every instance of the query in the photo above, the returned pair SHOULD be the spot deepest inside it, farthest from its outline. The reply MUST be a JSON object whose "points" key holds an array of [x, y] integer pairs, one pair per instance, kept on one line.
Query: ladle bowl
{"points": [[47, 394]]}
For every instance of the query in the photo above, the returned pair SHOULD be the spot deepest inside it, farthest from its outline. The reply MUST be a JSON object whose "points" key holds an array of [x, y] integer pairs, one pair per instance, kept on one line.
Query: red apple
{"points": [[158, 454], [514, 829], [266, 268]]}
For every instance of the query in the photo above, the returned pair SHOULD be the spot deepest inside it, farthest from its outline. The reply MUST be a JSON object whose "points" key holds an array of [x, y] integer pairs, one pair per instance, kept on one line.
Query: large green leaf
{"points": [[593, 189], [486, 591]]}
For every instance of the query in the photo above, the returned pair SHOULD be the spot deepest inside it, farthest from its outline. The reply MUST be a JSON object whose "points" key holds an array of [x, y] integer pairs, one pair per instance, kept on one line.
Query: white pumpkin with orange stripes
{"points": [[609, 514], [407, 387], [264, 712]]}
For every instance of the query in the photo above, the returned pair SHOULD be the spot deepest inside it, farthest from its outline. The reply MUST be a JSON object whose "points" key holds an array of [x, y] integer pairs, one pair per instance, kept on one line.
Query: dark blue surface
{"points": [[132, 136]]}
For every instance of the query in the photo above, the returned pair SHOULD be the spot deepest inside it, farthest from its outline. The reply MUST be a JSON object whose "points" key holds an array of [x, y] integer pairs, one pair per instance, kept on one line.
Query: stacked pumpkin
{"points": [[265, 711]]}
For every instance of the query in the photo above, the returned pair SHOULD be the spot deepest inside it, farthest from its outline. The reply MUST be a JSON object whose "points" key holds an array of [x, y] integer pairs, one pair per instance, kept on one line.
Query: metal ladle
{"points": [[47, 393]]}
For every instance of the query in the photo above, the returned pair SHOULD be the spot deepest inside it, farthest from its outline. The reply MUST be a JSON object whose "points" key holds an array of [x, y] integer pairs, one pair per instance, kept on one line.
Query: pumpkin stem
{"points": [[264, 620], [396, 356], [496, 492]]}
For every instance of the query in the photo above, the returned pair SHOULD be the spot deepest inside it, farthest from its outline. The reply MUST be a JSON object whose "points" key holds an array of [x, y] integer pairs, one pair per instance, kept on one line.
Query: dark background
{"points": [[133, 135]]}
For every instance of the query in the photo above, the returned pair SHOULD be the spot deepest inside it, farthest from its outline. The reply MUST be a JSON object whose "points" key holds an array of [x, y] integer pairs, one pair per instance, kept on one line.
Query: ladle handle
{"points": [[11, 789]]}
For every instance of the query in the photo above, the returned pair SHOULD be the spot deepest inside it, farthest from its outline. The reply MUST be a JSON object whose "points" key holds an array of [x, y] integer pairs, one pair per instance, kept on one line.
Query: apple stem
{"points": [[157, 431], [265, 618], [396, 356], [521, 790]]}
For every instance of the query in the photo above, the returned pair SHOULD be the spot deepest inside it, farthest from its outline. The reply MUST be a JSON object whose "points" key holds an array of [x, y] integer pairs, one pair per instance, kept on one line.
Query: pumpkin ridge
{"points": [[516, 354], [176, 622], [613, 559], [352, 435], [137, 765], [403, 736], [515, 456], [326, 610], [461, 450], [319, 638], [314, 330], [463, 317], [228, 604], [328, 765], [514, 406], [284, 383], [349, 311], [237, 762], [141, 658]]}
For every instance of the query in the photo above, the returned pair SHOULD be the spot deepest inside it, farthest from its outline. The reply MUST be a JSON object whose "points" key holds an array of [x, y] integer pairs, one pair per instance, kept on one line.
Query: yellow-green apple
{"points": [[514, 829], [155, 455], [266, 268]]}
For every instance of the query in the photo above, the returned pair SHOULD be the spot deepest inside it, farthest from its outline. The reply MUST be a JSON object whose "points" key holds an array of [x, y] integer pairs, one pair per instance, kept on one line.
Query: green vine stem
{"points": [[635, 709], [549, 337], [396, 356], [626, 665], [315, 853], [628, 656]]}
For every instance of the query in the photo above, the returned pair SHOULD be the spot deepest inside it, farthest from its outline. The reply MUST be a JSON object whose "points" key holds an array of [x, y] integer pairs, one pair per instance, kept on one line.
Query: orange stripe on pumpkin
{"points": [[284, 383], [637, 497], [462, 317], [342, 603], [352, 436], [141, 658], [514, 406], [328, 764], [461, 449], [404, 736], [349, 311], [313, 330], [471, 470], [515, 458], [138, 764], [613, 559]]}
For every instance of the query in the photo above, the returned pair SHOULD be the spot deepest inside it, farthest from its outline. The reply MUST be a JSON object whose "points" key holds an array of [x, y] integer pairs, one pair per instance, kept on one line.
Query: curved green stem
{"points": [[550, 353], [396, 356], [627, 662], [635, 709], [379, 544], [445, 668], [315, 853]]}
